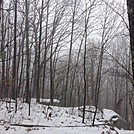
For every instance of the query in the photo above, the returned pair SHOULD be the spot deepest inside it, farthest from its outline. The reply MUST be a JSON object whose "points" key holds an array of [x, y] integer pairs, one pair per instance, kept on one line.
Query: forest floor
{"points": [[53, 120]]}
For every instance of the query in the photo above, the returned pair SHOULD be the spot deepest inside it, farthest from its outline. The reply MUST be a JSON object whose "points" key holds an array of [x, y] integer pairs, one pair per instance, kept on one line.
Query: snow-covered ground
{"points": [[61, 130], [62, 120]]}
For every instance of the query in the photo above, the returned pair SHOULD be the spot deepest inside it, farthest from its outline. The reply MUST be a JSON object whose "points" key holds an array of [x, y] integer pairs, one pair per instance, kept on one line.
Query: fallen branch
{"points": [[30, 125]]}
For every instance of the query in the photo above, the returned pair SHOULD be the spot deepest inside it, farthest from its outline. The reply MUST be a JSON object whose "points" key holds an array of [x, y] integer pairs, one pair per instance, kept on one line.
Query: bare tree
{"points": [[107, 35], [39, 52], [87, 15], [130, 9], [2, 50], [28, 92], [70, 52]]}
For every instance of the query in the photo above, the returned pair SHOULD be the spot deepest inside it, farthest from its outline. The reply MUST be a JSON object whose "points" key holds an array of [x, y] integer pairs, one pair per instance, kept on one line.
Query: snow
{"points": [[61, 130], [108, 114], [63, 120], [48, 100], [67, 130]]}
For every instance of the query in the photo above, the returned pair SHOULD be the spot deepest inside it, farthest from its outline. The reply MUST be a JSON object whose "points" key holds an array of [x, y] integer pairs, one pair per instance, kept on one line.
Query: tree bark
{"points": [[130, 9], [84, 64], [28, 92], [2, 50], [14, 90]]}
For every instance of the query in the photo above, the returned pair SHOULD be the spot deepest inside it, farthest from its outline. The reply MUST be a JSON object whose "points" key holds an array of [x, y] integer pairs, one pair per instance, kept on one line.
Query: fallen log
{"points": [[34, 125]]}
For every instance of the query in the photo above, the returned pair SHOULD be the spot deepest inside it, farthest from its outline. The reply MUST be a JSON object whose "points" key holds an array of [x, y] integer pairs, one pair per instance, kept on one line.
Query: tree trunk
{"points": [[2, 51], [84, 64], [70, 55], [14, 90], [130, 9], [28, 92], [45, 52]]}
